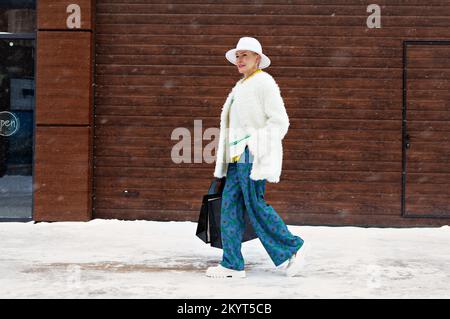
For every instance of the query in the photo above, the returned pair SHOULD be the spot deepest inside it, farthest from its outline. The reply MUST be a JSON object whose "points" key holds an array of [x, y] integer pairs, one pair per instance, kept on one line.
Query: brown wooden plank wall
{"points": [[160, 65], [62, 175], [64, 113]]}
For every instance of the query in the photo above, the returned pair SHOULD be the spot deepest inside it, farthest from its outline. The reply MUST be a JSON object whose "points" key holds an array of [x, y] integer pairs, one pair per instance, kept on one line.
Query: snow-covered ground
{"points": [[145, 259]]}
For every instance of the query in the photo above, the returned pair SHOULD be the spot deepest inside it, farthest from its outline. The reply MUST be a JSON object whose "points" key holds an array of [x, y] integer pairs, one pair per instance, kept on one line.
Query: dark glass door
{"points": [[16, 127], [17, 88]]}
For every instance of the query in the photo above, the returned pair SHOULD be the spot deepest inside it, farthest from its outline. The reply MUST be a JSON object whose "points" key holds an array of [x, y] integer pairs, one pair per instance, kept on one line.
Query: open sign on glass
{"points": [[9, 123]]}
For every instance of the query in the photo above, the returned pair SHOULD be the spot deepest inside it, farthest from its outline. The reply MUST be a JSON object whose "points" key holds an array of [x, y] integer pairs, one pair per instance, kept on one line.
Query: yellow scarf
{"points": [[246, 78]]}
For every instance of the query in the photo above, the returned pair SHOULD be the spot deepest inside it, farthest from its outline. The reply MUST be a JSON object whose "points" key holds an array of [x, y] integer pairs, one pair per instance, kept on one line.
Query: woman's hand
{"points": [[220, 182]]}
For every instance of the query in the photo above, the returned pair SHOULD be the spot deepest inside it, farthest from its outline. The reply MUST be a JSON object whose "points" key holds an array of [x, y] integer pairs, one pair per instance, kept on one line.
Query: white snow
{"points": [[147, 259]]}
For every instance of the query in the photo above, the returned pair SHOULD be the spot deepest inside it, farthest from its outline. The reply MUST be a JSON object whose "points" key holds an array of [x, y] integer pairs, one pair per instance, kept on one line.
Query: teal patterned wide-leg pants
{"points": [[241, 192]]}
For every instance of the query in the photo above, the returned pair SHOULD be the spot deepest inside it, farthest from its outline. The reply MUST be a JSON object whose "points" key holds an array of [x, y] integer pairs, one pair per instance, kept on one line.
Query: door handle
{"points": [[129, 193], [407, 143]]}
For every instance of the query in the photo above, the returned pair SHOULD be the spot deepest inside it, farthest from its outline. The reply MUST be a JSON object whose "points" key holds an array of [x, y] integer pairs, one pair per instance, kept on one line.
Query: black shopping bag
{"points": [[208, 228]]}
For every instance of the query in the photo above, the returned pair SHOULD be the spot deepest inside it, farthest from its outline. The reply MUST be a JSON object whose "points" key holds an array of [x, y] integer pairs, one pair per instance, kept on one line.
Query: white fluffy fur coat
{"points": [[261, 111]]}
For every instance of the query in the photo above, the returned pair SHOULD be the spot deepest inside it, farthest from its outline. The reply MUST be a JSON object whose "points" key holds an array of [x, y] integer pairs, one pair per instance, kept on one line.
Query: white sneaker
{"points": [[222, 272], [297, 261]]}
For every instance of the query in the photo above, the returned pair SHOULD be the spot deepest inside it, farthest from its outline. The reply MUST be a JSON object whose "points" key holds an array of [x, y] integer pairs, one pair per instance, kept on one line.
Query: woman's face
{"points": [[247, 61]]}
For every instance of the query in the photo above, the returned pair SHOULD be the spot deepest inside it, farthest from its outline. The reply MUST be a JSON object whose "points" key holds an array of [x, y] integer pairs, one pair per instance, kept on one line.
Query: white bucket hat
{"points": [[251, 44]]}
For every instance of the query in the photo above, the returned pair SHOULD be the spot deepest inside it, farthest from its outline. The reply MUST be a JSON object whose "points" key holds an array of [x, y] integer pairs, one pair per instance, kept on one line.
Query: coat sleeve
{"points": [[277, 120], [274, 108], [221, 164]]}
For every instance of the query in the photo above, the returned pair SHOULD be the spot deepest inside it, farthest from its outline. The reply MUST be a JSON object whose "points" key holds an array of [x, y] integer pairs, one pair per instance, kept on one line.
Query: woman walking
{"points": [[253, 123]]}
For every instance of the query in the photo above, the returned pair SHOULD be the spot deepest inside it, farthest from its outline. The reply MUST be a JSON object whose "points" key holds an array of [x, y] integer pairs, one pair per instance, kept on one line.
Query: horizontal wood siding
{"points": [[160, 65], [64, 68], [63, 170], [62, 177]]}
